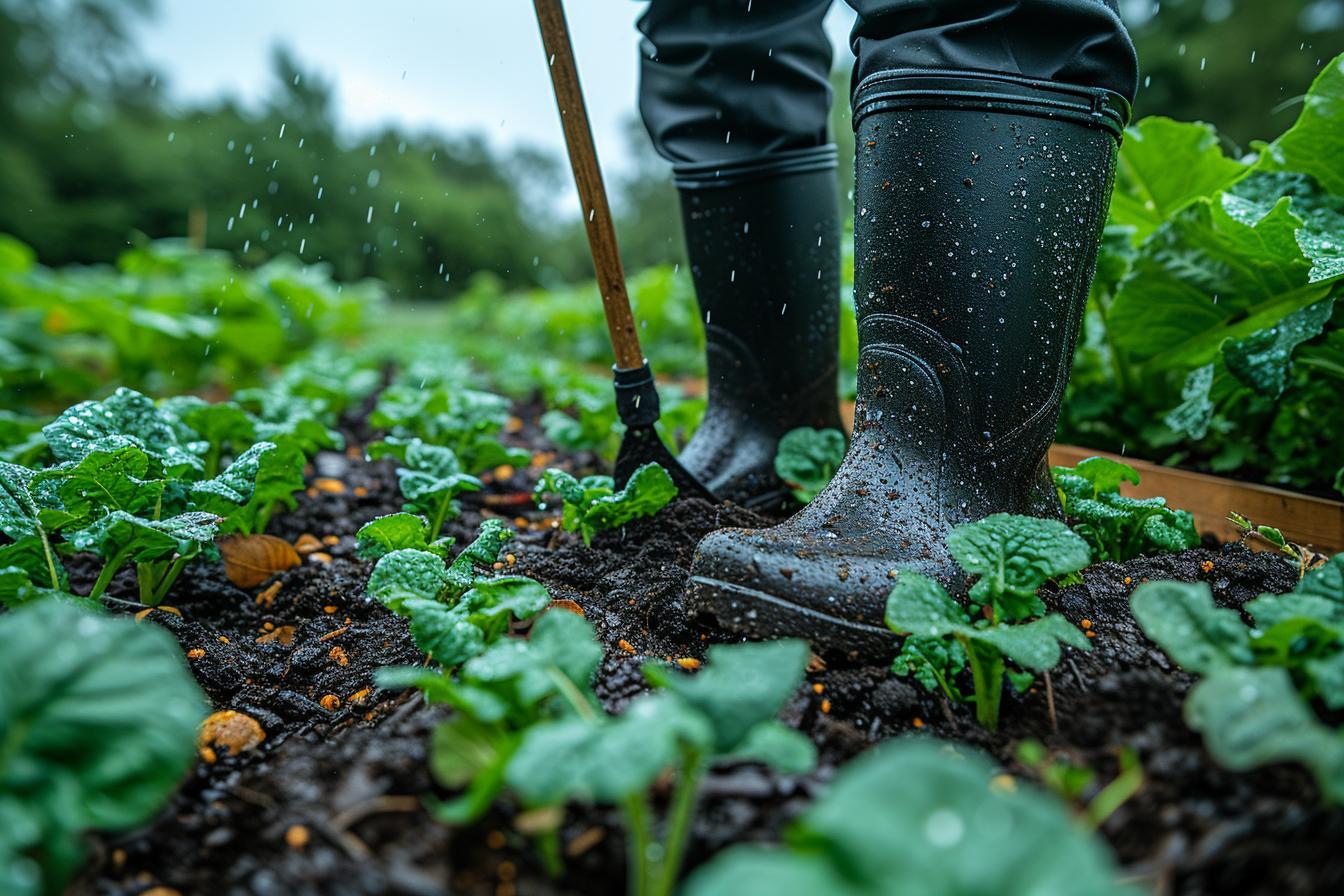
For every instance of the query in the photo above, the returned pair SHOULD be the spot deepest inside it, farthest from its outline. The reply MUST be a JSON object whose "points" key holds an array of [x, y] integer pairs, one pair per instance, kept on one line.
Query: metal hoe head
{"points": [[637, 404]]}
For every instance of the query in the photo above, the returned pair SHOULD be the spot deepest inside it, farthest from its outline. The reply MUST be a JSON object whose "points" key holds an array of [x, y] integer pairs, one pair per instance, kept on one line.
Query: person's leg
{"points": [[736, 95], [980, 196]]}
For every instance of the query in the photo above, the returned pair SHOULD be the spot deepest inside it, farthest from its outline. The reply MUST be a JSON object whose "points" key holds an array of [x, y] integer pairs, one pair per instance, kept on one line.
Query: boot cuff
{"points": [[731, 172], [910, 88]]}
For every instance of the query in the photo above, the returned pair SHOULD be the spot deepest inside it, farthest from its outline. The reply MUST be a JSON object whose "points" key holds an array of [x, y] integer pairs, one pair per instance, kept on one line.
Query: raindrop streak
{"points": [[369, 218]]}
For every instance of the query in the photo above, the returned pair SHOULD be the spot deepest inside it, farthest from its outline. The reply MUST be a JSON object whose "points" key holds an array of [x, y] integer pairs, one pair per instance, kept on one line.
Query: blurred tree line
{"points": [[91, 156]]}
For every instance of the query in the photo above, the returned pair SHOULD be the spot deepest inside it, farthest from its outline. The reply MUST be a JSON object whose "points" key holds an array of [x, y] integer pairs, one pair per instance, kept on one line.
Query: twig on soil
{"points": [[343, 821], [1082, 682], [1050, 702]]}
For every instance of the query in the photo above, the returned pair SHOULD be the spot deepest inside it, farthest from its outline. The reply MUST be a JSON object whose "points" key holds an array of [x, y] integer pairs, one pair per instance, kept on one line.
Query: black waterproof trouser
{"points": [[731, 84]]}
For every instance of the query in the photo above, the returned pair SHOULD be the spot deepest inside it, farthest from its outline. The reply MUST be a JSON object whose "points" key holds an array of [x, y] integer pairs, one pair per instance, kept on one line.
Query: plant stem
{"points": [[166, 583], [637, 842], [51, 561], [437, 524], [145, 578], [987, 674], [679, 815], [108, 571], [548, 847]]}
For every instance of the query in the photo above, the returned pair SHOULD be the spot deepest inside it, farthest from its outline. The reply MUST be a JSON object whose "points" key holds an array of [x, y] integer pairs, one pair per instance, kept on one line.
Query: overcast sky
{"points": [[450, 65]]}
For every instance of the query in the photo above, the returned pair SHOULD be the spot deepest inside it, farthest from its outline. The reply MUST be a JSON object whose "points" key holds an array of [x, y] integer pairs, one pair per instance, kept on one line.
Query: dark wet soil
{"points": [[331, 801]]}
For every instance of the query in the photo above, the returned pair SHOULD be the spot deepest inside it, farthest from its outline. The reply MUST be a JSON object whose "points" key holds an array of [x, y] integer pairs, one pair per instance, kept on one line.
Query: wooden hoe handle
{"points": [[588, 179]]}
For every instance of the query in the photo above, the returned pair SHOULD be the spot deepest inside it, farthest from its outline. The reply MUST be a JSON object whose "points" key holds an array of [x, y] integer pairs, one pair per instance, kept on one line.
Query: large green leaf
{"points": [[1315, 143], [1204, 276], [741, 686], [913, 818], [124, 417], [138, 540], [1165, 165], [1251, 716], [97, 724], [1182, 619], [1262, 360], [1014, 556]]}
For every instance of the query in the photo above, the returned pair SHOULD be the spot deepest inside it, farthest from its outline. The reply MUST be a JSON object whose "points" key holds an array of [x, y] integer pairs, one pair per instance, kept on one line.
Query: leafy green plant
{"points": [[1117, 527], [165, 318], [97, 726], [1254, 702], [465, 421], [1013, 556], [129, 483], [592, 504], [1302, 557], [430, 477], [1077, 784], [454, 610], [524, 704], [807, 459], [1212, 337], [916, 816]]}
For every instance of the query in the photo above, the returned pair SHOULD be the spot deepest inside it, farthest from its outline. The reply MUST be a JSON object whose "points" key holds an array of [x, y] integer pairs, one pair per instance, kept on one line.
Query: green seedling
{"points": [[1012, 556], [592, 504], [807, 459]]}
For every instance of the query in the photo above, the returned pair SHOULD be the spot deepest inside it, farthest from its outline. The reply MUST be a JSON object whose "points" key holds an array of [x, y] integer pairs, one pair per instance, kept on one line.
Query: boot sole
{"points": [[764, 616]]}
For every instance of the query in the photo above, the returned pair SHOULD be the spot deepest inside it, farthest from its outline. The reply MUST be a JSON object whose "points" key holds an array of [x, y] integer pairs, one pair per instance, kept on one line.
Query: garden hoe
{"points": [[636, 394]]}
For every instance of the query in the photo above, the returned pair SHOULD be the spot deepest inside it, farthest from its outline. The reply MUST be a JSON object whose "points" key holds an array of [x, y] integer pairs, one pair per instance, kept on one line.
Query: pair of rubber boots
{"points": [[979, 205]]}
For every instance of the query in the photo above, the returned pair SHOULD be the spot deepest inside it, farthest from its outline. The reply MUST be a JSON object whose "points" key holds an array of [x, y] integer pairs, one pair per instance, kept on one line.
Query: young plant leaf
{"points": [[1014, 556], [397, 531], [99, 722], [807, 459]]}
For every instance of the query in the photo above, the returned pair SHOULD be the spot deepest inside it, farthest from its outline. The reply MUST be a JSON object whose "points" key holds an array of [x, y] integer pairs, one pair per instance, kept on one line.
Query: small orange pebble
{"points": [[359, 696], [306, 543], [230, 729], [331, 540], [1207, 566], [816, 664], [818, 688], [284, 634], [825, 705], [504, 471], [297, 836], [513, 424], [338, 656], [208, 755], [521, 522], [917, 722], [330, 702], [495, 840], [625, 645], [118, 857], [310, 492], [569, 606], [195, 653], [1128, 580], [266, 597], [497, 565], [1086, 624], [335, 633], [140, 616], [329, 485], [223, 640], [688, 662], [360, 491], [510, 559], [269, 626], [507, 871], [320, 557], [329, 609], [1090, 634]]}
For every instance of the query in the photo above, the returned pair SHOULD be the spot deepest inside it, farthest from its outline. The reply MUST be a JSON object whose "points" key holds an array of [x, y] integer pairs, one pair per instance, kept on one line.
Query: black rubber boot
{"points": [[763, 241], [979, 206]]}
